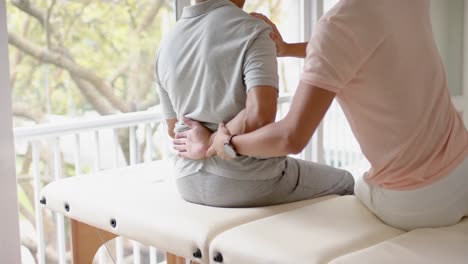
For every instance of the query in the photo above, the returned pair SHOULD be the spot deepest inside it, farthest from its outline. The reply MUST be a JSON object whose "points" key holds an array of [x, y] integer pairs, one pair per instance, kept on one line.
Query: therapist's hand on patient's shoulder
{"points": [[217, 146], [281, 45], [193, 143]]}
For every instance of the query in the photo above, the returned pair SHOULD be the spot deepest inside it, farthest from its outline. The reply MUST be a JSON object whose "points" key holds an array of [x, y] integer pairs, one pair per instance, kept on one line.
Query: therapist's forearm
{"points": [[237, 125], [291, 134], [297, 50], [272, 140]]}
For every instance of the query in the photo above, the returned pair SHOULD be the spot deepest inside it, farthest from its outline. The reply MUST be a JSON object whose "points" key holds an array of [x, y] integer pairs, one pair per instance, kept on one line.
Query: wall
{"points": [[465, 65], [9, 230]]}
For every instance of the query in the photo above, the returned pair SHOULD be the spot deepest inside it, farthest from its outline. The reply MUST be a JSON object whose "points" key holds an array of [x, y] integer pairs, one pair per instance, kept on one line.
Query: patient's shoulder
{"points": [[239, 19]]}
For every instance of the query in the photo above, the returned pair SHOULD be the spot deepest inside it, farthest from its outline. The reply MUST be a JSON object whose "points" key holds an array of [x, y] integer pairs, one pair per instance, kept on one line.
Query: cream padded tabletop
{"points": [[313, 234], [421, 246], [149, 209]]}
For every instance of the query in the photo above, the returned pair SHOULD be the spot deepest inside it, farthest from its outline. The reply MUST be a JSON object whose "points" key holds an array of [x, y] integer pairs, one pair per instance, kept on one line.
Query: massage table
{"points": [[421, 246], [141, 203]]}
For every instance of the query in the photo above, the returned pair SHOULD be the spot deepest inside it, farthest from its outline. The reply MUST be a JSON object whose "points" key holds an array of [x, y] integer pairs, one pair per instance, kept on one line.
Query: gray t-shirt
{"points": [[204, 69]]}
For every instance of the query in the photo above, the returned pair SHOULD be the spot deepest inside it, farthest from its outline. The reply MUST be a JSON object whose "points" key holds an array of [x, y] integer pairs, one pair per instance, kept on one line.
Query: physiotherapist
{"points": [[378, 58]]}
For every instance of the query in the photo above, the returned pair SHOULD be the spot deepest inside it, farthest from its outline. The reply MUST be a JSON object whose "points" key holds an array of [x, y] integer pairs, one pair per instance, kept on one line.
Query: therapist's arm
{"points": [[297, 50], [288, 136]]}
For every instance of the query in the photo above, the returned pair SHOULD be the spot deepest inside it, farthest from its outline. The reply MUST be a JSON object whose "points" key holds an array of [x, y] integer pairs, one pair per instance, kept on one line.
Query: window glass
{"points": [[341, 148], [73, 58], [328, 4]]}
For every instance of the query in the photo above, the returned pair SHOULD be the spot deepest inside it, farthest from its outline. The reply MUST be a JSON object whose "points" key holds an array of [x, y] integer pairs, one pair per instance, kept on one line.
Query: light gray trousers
{"points": [[299, 181]]}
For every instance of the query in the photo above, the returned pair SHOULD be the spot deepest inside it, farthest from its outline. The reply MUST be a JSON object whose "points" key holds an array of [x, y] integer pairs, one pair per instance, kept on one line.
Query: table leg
{"points": [[86, 241]]}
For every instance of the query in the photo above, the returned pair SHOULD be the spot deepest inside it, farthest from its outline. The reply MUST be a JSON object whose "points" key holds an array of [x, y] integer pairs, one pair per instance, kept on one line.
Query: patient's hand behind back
{"points": [[193, 143]]}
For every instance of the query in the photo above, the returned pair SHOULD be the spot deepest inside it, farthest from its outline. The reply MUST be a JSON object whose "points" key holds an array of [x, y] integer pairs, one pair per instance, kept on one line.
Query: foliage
{"points": [[115, 40]]}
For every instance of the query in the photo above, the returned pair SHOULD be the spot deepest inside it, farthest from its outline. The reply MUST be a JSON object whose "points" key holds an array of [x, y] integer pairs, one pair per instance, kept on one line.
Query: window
{"points": [[341, 148], [449, 27], [74, 59], [328, 4]]}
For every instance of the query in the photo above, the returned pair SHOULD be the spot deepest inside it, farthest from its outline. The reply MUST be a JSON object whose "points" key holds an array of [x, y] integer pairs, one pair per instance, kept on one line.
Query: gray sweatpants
{"points": [[299, 181]]}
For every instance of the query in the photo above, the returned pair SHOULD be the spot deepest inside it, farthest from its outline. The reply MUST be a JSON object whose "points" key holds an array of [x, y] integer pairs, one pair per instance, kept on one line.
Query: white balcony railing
{"points": [[103, 140], [93, 132]]}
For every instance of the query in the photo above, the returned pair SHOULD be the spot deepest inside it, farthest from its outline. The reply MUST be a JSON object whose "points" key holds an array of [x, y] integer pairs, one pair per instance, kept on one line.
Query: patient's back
{"points": [[215, 53], [205, 66]]}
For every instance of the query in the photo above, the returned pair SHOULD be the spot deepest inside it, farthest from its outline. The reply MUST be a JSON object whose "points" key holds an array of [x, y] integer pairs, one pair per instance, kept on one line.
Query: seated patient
{"points": [[219, 65]]}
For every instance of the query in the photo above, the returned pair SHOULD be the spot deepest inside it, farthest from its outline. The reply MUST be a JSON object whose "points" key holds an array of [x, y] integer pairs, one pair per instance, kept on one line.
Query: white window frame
{"points": [[311, 11], [461, 102], [10, 250]]}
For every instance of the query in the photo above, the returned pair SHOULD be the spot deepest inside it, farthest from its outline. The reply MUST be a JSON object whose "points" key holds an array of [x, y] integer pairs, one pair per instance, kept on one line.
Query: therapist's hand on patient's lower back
{"points": [[193, 143]]}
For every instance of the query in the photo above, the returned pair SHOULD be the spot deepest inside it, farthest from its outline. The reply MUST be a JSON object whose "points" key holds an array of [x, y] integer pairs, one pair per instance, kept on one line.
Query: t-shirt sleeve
{"points": [[337, 51], [166, 104], [164, 99], [260, 64]]}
